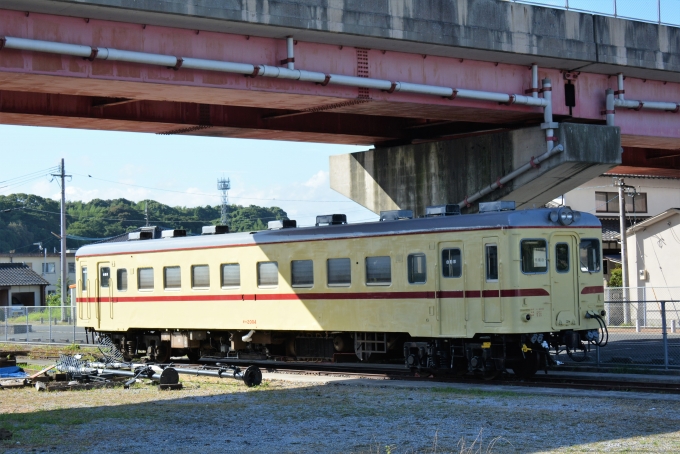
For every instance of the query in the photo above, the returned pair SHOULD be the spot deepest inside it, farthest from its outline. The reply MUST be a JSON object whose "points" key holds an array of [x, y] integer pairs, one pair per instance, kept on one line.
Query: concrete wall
{"points": [[415, 176], [662, 194], [488, 30], [657, 250]]}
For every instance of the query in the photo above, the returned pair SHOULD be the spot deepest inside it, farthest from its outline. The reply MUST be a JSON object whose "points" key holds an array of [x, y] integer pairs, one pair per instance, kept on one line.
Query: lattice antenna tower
{"points": [[224, 185]]}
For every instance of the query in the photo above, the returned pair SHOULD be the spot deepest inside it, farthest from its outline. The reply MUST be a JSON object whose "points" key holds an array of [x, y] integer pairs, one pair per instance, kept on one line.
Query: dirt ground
{"points": [[340, 416]]}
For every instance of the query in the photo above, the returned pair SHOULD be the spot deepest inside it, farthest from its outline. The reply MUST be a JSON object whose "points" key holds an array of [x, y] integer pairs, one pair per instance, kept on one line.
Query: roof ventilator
{"points": [[282, 224], [173, 233], [499, 205], [450, 209], [396, 215], [143, 235], [331, 219], [214, 229]]}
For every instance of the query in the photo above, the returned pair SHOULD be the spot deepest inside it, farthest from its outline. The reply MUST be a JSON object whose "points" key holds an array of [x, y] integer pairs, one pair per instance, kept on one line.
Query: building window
{"points": [[302, 273], [491, 262], [417, 268], [71, 268], [378, 270], [534, 256], [121, 279], [451, 263], [231, 275], [200, 276], [145, 278], [104, 276], [608, 202], [84, 278], [589, 255], [339, 272], [172, 277], [562, 257], [267, 274], [48, 268]]}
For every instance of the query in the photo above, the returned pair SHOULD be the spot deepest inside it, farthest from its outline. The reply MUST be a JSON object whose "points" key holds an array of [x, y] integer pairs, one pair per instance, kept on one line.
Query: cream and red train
{"points": [[478, 292]]}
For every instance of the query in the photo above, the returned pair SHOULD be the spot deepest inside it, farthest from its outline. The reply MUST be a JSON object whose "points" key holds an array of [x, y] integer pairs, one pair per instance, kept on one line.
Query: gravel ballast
{"points": [[289, 414]]}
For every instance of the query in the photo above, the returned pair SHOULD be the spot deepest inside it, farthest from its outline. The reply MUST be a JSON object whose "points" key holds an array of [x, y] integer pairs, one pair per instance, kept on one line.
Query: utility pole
{"points": [[623, 188], [64, 271]]}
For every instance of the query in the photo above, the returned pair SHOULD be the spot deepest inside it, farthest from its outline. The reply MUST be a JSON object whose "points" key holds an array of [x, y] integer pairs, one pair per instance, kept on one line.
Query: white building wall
{"points": [[662, 194], [655, 249], [36, 263]]}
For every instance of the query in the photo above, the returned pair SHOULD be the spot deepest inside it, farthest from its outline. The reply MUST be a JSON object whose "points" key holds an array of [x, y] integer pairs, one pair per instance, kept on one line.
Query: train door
{"points": [[491, 290], [83, 284], [451, 289], [104, 294], [564, 280]]}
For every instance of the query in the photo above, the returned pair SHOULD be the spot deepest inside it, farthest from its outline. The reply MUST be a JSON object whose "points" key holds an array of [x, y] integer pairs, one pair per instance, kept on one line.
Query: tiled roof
{"points": [[19, 274], [611, 229]]}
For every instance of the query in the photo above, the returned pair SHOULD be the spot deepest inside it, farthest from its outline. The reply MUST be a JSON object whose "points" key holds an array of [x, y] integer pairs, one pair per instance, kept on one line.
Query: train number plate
{"points": [[250, 322]]}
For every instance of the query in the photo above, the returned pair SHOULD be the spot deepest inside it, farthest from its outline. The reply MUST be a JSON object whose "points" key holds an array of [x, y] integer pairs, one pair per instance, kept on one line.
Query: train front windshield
{"points": [[589, 254]]}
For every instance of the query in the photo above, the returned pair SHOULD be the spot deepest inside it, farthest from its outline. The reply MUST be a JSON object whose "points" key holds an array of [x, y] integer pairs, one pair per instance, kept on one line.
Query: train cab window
{"points": [[417, 269], [562, 257], [83, 273], [589, 255], [172, 277], [104, 276], [378, 270], [302, 273], [267, 274], [451, 263], [231, 275], [200, 276], [534, 256], [145, 278], [339, 272], [491, 262], [121, 279]]}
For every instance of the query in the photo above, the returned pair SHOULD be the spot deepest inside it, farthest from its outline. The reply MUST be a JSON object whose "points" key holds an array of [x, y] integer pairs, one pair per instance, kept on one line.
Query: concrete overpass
{"points": [[145, 76]]}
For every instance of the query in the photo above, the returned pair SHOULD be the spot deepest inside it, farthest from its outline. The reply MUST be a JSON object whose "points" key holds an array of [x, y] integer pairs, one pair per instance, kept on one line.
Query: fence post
{"points": [[26, 309], [73, 320], [673, 326], [49, 315], [637, 325], [665, 335], [6, 327]]}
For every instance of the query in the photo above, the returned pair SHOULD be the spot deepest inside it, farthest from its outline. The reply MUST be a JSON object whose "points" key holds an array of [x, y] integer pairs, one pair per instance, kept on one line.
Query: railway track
{"points": [[389, 372]]}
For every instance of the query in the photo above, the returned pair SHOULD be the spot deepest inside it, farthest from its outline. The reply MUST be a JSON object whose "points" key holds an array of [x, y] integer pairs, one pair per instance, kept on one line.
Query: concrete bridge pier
{"points": [[414, 176]]}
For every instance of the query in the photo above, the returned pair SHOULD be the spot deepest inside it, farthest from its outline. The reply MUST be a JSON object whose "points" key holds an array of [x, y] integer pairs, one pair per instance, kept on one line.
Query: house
{"points": [[46, 265], [21, 286]]}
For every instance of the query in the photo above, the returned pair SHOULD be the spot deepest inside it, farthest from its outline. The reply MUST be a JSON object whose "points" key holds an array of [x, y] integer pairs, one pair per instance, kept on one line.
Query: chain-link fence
{"points": [[40, 324], [644, 330], [666, 12]]}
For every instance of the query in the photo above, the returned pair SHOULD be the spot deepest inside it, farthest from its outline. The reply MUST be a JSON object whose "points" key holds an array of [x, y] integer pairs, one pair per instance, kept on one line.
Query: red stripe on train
{"points": [[593, 289]]}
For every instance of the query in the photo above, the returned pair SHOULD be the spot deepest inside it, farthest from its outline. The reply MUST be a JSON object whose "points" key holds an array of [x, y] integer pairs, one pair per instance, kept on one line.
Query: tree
{"points": [[616, 279], [55, 298]]}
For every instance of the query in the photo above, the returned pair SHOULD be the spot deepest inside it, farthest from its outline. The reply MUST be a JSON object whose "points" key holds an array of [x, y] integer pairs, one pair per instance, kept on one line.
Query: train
{"points": [[445, 292]]}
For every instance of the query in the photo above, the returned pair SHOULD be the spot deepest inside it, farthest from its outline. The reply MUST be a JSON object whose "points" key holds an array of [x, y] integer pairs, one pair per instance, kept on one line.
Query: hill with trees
{"points": [[26, 219]]}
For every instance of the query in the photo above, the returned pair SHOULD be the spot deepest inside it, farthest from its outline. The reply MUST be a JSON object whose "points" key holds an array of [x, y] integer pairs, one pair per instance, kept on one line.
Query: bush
{"points": [[616, 278]]}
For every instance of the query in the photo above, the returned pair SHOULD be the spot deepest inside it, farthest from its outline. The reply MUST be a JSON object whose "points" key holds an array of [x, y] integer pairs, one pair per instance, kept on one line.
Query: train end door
{"points": [[491, 290], [564, 281], [451, 289], [104, 294]]}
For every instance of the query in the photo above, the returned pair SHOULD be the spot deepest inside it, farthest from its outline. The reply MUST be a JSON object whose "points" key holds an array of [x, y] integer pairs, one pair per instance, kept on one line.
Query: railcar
{"points": [[461, 293]]}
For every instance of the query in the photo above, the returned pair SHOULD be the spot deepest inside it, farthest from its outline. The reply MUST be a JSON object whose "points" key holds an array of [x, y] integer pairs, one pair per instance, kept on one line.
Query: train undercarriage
{"points": [[486, 356]]}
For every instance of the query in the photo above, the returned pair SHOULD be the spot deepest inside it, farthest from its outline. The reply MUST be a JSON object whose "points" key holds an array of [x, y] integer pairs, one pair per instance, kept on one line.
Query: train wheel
{"points": [[526, 367], [194, 354], [163, 352]]}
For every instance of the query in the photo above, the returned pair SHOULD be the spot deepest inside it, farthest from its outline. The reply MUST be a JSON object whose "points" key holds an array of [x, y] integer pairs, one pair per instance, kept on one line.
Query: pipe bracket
{"points": [[466, 203], [639, 107], [551, 125], [529, 91], [534, 164], [607, 112], [454, 93], [288, 60], [325, 80], [392, 87], [93, 54], [676, 110], [620, 92], [510, 101], [256, 71], [551, 139], [3, 40], [498, 183], [178, 65]]}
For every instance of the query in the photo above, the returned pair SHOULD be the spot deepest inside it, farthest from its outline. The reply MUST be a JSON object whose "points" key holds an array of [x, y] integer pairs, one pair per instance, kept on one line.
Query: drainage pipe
{"points": [[610, 112], [290, 44], [620, 92], [533, 163], [620, 101], [104, 53], [534, 80], [548, 124]]}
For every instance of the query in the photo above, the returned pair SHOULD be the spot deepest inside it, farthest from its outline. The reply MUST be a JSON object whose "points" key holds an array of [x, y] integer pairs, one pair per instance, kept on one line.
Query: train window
{"points": [[267, 274], [145, 279], [231, 275], [84, 277], [378, 271], [534, 256], [104, 276], [339, 272], [451, 263], [491, 262], [589, 255], [121, 281], [562, 257], [200, 276], [172, 277], [417, 269], [302, 273]]}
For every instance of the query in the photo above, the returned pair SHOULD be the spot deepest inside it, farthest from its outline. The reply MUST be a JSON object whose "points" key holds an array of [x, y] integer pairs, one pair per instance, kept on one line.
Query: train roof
{"points": [[533, 218]]}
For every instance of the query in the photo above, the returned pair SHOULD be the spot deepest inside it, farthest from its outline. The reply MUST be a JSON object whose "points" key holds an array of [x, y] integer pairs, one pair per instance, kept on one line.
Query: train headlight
{"points": [[565, 216]]}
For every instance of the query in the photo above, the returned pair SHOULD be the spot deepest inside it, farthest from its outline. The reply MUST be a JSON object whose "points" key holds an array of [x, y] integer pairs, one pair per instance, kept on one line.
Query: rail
{"points": [[663, 12]]}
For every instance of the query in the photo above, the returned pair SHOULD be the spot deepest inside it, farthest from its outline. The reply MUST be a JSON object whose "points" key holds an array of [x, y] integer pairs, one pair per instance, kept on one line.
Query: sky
{"points": [[176, 170]]}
